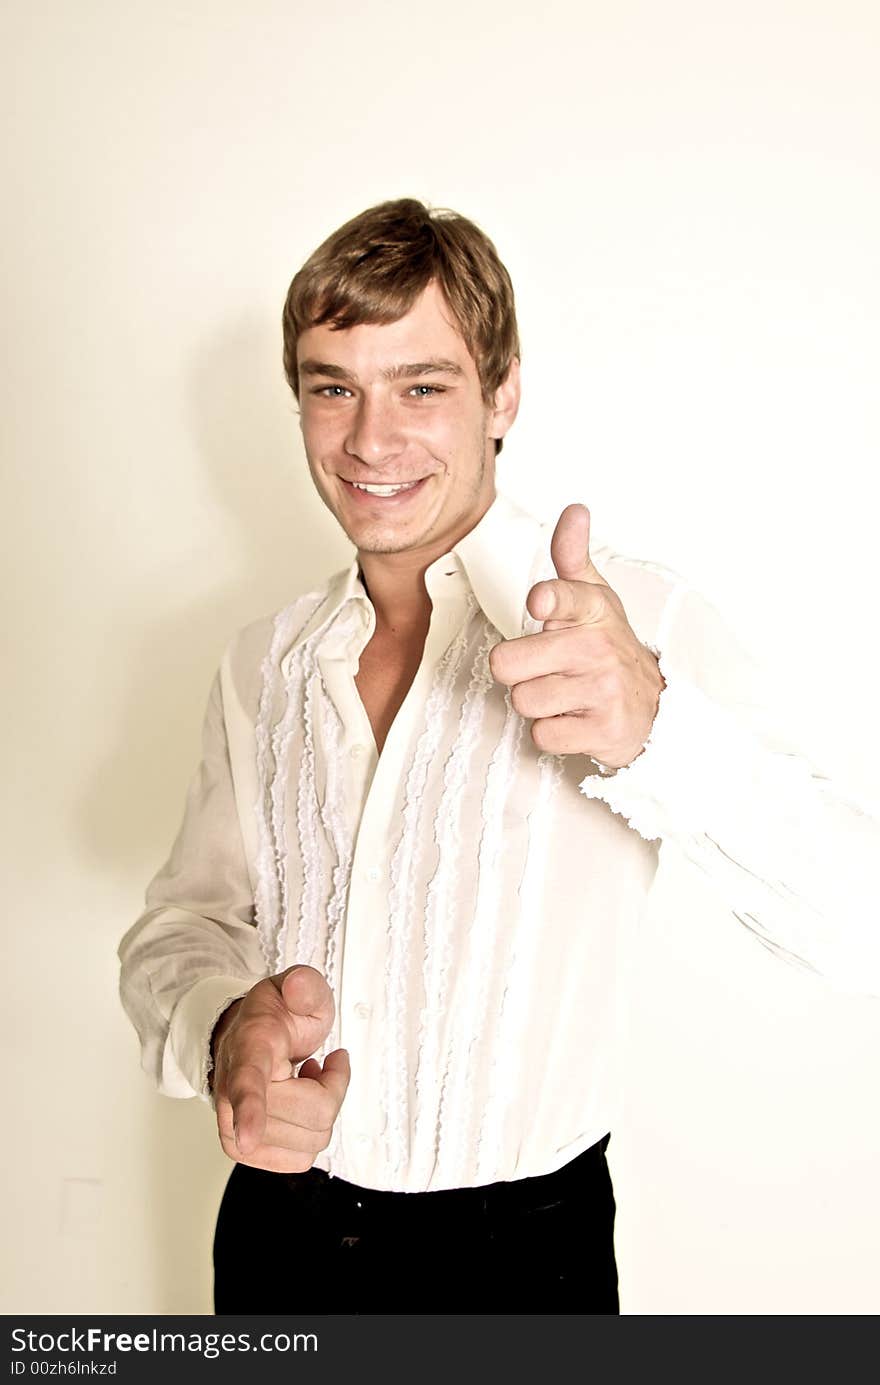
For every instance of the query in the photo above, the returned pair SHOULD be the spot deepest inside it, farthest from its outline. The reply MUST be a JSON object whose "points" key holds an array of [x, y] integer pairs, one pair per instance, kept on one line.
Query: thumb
{"points": [[310, 1008], [570, 546], [305, 992]]}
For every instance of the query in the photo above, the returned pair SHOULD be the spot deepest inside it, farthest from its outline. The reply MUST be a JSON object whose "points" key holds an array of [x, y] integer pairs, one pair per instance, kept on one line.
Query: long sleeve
{"points": [[195, 948], [719, 780]]}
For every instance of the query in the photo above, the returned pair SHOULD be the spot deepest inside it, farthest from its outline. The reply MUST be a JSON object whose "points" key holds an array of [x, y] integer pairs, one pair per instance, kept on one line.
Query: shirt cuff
{"points": [[187, 1057], [670, 787]]}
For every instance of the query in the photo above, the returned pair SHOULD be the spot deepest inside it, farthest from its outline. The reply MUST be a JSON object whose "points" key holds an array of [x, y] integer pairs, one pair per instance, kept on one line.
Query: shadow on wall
{"points": [[281, 542], [188, 1172]]}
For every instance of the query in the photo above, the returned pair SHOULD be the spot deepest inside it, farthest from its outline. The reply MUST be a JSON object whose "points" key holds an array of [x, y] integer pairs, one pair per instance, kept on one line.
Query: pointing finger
{"points": [[568, 601], [246, 1094], [531, 656]]}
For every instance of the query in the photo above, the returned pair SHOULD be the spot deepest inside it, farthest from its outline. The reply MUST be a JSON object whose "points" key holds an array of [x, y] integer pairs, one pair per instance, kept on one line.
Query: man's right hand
{"points": [[267, 1117]]}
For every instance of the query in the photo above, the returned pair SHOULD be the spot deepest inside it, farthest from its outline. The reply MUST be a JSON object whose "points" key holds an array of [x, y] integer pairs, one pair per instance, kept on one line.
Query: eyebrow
{"points": [[408, 370]]}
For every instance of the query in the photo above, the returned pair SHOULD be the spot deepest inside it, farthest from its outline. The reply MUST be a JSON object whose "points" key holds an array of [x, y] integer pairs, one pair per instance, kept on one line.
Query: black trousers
{"points": [[308, 1243]]}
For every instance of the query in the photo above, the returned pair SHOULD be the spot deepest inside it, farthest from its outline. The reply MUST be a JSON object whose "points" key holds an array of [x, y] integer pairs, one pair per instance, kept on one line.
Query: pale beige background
{"points": [[687, 197]]}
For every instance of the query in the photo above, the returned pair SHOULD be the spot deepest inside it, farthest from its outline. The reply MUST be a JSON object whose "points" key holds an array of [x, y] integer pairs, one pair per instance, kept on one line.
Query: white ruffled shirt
{"points": [[472, 902]]}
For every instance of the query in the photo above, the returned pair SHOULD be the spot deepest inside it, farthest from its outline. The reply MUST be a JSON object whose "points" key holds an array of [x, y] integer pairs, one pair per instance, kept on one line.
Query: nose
{"points": [[374, 436]]}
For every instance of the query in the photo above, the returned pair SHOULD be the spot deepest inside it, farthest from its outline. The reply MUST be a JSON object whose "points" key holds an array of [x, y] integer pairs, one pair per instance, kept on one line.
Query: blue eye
{"points": [[425, 391]]}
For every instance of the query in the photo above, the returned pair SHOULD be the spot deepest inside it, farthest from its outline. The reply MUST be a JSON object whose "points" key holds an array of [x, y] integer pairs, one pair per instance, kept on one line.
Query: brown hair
{"points": [[375, 266]]}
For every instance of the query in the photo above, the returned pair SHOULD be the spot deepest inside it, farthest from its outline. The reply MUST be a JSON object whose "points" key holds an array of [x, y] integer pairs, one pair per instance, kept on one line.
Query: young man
{"points": [[391, 938]]}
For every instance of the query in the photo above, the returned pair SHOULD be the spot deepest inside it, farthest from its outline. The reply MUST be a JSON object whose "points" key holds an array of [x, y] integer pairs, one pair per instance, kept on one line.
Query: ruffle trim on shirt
{"points": [[307, 820], [272, 757], [503, 1077], [458, 1089], [281, 739], [440, 900], [401, 912]]}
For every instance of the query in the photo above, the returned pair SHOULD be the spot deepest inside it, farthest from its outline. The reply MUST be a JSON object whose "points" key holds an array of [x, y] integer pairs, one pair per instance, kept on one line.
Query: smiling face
{"points": [[399, 440]]}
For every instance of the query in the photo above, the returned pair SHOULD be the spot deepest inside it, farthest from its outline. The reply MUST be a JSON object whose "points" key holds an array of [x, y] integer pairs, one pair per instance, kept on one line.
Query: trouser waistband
{"points": [[572, 1180]]}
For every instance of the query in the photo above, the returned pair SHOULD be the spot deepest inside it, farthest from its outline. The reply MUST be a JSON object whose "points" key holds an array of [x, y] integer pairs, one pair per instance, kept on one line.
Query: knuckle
{"points": [[609, 684], [568, 592], [246, 1046], [261, 1047], [255, 1027], [244, 1074]]}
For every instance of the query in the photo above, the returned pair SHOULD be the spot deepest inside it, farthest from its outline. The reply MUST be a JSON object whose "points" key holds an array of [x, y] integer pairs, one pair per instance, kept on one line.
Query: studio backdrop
{"points": [[686, 196]]}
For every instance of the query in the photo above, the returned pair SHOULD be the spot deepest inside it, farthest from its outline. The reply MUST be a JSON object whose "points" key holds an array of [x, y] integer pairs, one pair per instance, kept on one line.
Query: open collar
{"points": [[500, 558]]}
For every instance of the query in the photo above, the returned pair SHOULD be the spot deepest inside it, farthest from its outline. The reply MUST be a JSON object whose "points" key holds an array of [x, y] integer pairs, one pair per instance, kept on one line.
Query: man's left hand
{"points": [[591, 687]]}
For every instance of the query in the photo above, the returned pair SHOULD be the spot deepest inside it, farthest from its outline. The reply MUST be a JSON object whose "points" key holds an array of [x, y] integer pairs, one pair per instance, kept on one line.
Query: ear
{"points": [[506, 403]]}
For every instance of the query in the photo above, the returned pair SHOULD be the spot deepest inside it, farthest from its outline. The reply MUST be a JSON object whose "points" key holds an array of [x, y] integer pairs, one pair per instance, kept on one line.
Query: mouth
{"points": [[385, 492]]}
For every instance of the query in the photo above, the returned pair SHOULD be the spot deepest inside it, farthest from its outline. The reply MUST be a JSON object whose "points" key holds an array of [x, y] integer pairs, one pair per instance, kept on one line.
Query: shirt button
{"points": [[362, 1011], [357, 751], [374, 874]]}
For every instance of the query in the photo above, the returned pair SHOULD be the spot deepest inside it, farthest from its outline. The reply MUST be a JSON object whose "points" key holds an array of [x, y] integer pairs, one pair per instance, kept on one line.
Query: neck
{"points": [[395, 582], [396, 588]]}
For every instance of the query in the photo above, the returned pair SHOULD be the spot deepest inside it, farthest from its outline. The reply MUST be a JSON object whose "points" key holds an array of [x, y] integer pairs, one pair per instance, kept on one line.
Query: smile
{"points": [[384, 490]]}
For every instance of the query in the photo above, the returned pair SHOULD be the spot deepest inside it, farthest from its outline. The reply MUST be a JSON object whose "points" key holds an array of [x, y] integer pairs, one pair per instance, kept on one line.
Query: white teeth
{"points": [[385, 490]]}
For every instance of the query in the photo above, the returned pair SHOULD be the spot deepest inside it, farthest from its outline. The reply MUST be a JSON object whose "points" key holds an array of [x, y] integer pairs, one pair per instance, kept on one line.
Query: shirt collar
{"points": [[498, 558], [342, 588]]}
